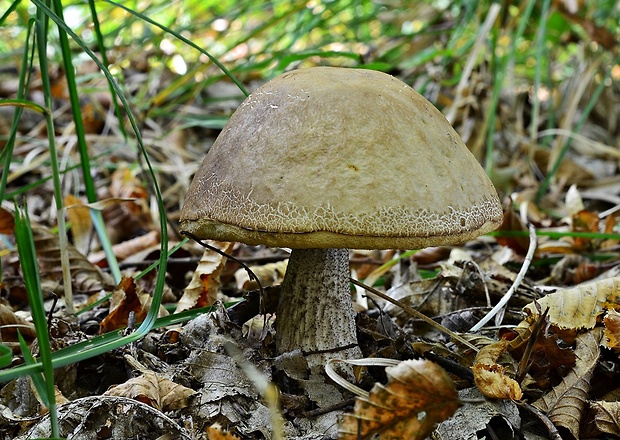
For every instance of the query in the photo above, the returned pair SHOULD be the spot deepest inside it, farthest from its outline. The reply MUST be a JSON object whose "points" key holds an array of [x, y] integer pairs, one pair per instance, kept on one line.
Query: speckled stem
{"points": [[315, 313]]}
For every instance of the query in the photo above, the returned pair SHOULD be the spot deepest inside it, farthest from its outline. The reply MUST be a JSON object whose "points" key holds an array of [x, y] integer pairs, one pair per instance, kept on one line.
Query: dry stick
{"points": [[415, 314], [553, 431], [502, 302]]}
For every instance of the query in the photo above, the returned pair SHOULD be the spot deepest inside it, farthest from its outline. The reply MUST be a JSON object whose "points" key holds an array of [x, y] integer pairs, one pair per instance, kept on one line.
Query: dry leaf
{"points": [[490, 377], [269, 274], [81, 223], [418, 395], [612, 331], [547, 360], [584, 221], [564, 404], [578, 307], [7, 222], [154, 390], [10, 324], [127, 298], [606, 417], [127, 219], [202, 289], [86, 276], [128, 248]]}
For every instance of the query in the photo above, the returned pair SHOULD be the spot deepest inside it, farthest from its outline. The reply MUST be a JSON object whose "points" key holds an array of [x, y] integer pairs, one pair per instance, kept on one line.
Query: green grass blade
{"points": [[161, 275], [87, 174], [30, 270], [41, 31]]}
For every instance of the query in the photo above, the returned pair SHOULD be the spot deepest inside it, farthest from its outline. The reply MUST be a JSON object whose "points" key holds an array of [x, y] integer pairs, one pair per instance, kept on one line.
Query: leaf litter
{"points": [[556, 349]]}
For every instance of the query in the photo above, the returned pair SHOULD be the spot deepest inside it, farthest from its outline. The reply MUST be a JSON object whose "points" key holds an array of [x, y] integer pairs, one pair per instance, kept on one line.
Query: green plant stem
{"points": [[89, 184], [111, 340], [63, 242], [28, 262]]}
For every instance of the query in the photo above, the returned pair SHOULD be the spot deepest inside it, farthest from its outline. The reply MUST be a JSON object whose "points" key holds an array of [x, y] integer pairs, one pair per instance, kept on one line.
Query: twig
{"points": [[415, 314], [553, 431]]}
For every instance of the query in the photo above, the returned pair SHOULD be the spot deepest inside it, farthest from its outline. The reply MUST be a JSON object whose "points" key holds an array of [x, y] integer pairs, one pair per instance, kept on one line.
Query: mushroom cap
{"points": [[329, 157]]}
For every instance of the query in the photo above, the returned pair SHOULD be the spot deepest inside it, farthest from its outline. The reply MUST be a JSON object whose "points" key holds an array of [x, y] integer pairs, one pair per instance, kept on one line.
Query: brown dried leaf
{"points": [[7, 222], [580, 306], [86, 276], [418, 395], [125, 220], [490, 377], [10, 324], [564, 404], [606, 417], [512, 222], [155, 391], [202, 289], [128, 248], [546, 360], [584, 221], [127, 298]]}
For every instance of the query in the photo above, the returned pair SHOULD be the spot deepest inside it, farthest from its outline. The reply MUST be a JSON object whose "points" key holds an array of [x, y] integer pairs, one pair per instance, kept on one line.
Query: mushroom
{"points": [[326, 159]]}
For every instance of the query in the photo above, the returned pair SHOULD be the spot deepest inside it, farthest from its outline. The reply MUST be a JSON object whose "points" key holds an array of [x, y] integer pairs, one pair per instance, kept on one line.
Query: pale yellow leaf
{"points": [[580, 306], [606, 417], [81, 223]]}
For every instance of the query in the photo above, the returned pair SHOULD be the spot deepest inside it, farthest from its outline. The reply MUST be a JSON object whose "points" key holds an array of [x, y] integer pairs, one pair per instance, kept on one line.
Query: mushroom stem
{"points": [[315, 313]]}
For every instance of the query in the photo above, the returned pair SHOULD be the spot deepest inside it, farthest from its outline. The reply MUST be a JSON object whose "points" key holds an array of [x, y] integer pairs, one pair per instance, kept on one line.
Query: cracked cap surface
{"points": [[329, 157]]}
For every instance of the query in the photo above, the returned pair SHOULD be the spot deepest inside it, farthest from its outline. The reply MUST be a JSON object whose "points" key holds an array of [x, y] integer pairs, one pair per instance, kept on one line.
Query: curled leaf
{"points": [[490, 377]]}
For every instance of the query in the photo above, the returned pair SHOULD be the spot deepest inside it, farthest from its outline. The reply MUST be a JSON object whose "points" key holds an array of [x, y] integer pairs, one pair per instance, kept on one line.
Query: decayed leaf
{"points": [[202, 289], [215, 432], [490, 377], [580, 306], [10, 324], [127, 298], [155, 391], [612, 330], [86, 276], [125, 219], [269, 274], [606, 417], [564, 403], [546, 359], [7, 222], [81, 223], [418, 395], [129, 248], [584, 221]]}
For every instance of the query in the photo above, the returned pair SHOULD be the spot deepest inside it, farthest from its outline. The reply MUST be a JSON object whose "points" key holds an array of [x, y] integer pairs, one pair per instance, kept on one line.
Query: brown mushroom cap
{"points": [[339, 158]]}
